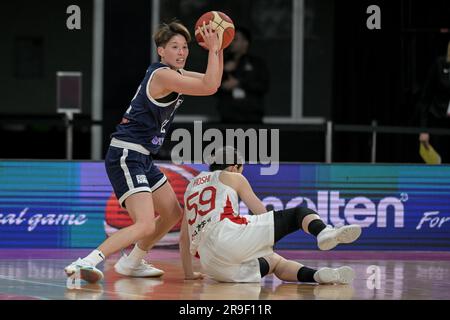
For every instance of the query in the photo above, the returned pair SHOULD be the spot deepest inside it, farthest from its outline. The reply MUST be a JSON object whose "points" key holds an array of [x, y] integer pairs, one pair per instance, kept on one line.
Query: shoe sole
{"points": [[342, 275], [345, 234], [88, 275], [328, 276], [349, 234], [346, 275], [119, 270]]}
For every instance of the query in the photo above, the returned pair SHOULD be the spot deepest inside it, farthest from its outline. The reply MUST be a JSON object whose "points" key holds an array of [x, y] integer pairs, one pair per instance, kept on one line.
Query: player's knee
{"points": [[280, 267], [273, 262], [302, 212], [290, 220]]}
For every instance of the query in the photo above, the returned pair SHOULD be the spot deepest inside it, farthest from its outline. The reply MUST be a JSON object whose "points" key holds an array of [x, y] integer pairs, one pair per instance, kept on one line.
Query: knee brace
{"points": [[289, 220], [264, 267]]}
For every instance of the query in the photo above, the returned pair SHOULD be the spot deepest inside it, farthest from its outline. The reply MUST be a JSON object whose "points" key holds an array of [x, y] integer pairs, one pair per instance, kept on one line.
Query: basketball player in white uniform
{"points": [[234, 248]]}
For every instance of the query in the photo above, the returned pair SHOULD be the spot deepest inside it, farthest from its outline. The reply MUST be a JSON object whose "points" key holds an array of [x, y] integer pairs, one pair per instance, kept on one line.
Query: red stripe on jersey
{"points": [[228, 213]]}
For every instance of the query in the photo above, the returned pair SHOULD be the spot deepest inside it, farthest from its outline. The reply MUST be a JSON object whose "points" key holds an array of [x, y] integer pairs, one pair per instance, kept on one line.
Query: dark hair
{"points": [[225, 157], [245, 32], [167, 30]]}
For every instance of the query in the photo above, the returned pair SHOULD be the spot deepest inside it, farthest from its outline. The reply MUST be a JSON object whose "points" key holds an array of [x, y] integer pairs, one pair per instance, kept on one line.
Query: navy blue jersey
{"points": [[147, 120]]}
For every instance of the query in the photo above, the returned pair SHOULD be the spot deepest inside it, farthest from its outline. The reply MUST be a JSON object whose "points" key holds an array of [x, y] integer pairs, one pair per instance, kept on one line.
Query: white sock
{"points": [[94, 258], [136, 255]]}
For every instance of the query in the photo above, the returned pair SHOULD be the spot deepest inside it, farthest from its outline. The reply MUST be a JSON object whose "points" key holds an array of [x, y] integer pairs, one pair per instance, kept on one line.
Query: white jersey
{"points": [[207, 201]]}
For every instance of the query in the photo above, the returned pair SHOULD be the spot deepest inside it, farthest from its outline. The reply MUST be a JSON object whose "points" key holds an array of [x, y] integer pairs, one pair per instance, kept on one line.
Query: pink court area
{"points": [[30, 274]]}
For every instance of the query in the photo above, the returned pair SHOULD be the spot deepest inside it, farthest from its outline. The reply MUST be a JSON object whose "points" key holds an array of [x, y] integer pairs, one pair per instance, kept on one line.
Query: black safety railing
{"points": [[328, 128]]}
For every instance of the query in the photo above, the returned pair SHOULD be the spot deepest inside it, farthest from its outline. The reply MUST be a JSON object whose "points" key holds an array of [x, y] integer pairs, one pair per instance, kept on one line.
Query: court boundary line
{"points": [[60, 286]]}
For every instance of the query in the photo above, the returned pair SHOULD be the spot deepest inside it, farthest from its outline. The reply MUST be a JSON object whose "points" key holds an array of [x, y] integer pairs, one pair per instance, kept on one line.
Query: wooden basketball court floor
{"points": [[38, 274]]}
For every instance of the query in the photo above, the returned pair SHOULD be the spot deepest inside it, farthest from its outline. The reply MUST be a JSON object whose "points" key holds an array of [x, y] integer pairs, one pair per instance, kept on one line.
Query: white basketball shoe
{"points": [[87, 272], [330, 237], [142, 270], [342, 275]]}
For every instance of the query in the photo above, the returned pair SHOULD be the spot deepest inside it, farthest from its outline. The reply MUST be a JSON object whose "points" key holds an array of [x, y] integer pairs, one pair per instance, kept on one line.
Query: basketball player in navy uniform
{"points": [[138, 184], [234, 248]]}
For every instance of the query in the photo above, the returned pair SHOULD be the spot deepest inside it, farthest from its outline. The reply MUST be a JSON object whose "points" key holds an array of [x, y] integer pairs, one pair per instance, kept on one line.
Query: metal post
{"points": [[298, 13], [97, 80], [69, 135], [329, 142], [373, 156], [68, 102], [156, 8]]}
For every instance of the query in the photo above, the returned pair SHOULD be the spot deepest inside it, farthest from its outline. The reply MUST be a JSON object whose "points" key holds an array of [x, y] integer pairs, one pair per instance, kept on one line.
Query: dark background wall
{"points": [[127, 56], [378, 74], [270, 22], [127, 51], [318, 58], [35, 45], [352, 75]]}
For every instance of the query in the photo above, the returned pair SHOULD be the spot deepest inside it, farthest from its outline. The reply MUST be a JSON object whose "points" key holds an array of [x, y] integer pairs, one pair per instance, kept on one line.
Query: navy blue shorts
{"points": [[130, 169]]}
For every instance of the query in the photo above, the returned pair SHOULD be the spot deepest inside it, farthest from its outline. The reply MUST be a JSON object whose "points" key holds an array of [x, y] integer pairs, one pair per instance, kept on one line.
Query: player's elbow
{"points": [[210, 90]]}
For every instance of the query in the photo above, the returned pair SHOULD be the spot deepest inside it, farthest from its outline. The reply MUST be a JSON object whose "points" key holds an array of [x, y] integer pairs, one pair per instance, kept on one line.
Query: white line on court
{"points": [[60, 286]]}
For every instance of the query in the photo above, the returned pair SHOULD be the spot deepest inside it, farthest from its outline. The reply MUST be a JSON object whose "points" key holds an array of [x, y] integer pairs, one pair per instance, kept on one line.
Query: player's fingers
{"points": [[201, 29], [205, 29], [210, 26], [201, 32]]}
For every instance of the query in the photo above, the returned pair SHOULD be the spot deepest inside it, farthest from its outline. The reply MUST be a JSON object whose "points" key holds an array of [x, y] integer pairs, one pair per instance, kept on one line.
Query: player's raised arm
{"points": [[211, 42], [199, 75], [170, 80]]}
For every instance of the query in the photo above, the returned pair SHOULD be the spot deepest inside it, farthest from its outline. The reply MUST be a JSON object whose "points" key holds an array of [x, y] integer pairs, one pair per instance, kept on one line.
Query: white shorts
{"points": [[229, 251]]}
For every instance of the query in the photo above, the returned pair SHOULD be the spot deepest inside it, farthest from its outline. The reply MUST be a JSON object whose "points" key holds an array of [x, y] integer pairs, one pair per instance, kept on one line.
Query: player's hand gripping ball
{"points": [[221, 23]]}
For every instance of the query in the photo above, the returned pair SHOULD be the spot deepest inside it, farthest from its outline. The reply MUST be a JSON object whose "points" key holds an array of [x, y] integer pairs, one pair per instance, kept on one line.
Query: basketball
{"points": [[221, 23]]}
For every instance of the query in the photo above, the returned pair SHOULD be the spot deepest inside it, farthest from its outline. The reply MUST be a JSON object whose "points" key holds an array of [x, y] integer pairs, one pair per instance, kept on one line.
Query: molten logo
{"points": [[358, 210]]}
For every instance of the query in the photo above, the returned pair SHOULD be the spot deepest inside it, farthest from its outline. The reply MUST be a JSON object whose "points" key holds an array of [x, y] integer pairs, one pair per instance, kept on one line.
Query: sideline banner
{"points": [[400, 207], [56, 204]]}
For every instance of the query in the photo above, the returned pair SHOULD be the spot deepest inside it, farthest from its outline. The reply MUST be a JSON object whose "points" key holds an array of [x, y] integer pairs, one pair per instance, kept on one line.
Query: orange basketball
{"points": [[221, 23]]}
